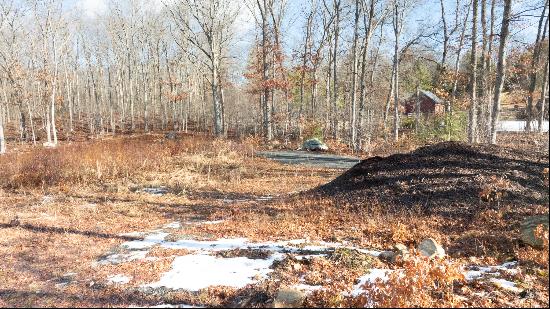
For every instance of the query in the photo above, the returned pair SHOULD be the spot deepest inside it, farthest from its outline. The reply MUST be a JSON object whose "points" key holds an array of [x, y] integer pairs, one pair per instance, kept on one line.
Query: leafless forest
{"points": [[274, 153], [341, 74]]}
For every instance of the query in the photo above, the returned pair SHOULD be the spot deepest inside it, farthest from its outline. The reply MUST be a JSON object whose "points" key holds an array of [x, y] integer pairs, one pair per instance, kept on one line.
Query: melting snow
{"points": [[505, 284], [195, 272], [173, 225], [155, 191], [118, 279], [202, 269], [123, 257], [147, 242], [133, 234], [210, 222], [371, 277], [479, 272], [169, 306], [307, 288]]}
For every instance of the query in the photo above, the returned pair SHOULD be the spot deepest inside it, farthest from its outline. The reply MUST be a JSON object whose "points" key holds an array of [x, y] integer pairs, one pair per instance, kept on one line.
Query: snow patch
{"points": [[169, 306], [155, 191], [173, 225], [211, 222], [307, 288], [118, 279], [477, 272], [123, 257], [505, 284], [148, 242], [373, 276], [195, 272]]}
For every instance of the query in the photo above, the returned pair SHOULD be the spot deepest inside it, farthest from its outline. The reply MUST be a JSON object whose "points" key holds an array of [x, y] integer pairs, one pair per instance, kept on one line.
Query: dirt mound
{"points": [[443, 175]]}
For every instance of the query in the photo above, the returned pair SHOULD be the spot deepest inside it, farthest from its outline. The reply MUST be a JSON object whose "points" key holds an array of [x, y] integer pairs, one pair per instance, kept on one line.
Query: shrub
{"points": [[422, 282], [105, 160], [448, 127]]}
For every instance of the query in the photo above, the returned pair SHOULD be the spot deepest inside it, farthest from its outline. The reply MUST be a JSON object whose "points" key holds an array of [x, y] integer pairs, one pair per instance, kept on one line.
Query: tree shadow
{"points": [[62, 230]]}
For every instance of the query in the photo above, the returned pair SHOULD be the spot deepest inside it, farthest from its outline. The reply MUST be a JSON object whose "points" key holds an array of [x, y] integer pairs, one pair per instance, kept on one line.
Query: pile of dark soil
{"points": [[442, 175]]}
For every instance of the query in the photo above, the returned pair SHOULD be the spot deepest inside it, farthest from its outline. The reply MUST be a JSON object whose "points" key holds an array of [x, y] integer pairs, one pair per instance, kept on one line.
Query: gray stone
{"points": [[402, 251], [431, 249], [388, 256], [528, 227], [314, 144], [171, 135], [289, 298], [155, 191]]}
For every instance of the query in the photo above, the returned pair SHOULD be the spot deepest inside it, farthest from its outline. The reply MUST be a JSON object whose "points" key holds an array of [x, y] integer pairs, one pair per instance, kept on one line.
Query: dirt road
{"points": [[311, 159]]}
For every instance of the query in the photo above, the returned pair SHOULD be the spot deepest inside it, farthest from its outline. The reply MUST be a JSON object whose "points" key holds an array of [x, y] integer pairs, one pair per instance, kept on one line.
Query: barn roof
{"points": [[432, 96]]}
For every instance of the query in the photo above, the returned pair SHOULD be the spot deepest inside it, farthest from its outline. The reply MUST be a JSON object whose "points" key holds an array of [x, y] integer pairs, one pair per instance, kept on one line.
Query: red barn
{"points": [[429, 104]]}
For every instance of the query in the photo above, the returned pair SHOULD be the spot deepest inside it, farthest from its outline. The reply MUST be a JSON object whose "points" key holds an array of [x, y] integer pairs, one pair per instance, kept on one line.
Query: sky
{"points": [[425, 15]]}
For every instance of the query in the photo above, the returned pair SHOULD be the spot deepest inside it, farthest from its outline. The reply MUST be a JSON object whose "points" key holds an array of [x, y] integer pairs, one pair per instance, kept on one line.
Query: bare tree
{"points": [[207, 26], [358, 9], [501, 65], [472, 128], [397, 27], [457, 61], [370, 22], [544, 94], [535, 61], [337, 6]]}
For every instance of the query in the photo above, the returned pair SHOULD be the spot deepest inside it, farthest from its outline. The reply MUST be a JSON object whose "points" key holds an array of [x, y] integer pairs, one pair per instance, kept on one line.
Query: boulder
{"points": [[388, 256], [289, 298], [314, 144], [528, 227], [431, 249], [171, 135], [399, 251]]}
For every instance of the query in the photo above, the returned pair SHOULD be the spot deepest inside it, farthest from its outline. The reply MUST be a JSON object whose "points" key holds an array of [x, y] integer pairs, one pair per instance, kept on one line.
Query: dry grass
{"points": [[423, 282], [62, 209]]}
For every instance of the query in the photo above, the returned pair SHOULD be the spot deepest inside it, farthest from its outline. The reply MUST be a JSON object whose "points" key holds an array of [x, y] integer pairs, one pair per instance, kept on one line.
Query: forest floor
{"points": [[146, 221]]}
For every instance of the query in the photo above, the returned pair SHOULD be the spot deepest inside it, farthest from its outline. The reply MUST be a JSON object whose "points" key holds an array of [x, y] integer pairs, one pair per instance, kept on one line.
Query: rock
{"points": [[314, 144], [155, 191], [431, 249], [402, 251], [171, 135], [528, 227], [289, 298], [399, 251], [388, 256]]}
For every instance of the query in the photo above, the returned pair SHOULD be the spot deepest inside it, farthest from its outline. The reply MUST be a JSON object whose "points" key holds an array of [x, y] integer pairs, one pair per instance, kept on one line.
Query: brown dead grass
{"points": [[62, 209]]}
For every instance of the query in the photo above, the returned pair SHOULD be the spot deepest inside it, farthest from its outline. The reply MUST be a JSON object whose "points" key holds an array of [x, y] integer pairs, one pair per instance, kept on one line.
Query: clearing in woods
{"points": [[146, 221]]}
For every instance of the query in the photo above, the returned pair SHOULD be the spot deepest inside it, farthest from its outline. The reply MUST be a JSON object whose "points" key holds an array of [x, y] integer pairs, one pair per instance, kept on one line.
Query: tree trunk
{"points": [[266, 111], [218, 127], [334, 70], [488, 66], [481, 112], [535, 62], [417, 110], [457, 62], [54, 91], [544, 93], [396, 30], [501, 65], [3, 147], [472, 130], [353, 115]]}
